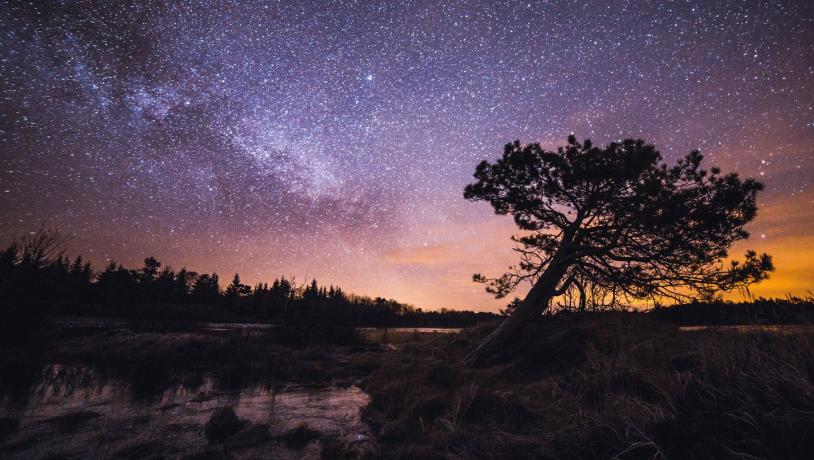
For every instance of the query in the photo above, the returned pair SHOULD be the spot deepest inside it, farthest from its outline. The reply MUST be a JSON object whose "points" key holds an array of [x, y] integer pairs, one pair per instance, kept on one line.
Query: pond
{"points": [[74, 411], [397, 335], [752, 328], [373, 334]]}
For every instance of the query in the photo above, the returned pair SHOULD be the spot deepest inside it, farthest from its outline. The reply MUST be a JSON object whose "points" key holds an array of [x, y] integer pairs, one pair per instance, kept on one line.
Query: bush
{"points": [[300, 436], [222, 424]]}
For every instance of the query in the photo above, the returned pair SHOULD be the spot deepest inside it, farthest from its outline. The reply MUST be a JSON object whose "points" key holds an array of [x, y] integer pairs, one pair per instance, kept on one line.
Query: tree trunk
{"points": [[535, 303]]}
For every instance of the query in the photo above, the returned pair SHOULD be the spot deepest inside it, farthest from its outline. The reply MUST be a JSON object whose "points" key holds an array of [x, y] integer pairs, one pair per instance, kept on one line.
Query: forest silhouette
{"points": [[38, 280]]}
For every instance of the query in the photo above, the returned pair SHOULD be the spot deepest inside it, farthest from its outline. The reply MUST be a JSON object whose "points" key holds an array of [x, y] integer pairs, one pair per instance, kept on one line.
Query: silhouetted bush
{"points": [[222, 424], [300, 436], [8, 425], [74, 420]]}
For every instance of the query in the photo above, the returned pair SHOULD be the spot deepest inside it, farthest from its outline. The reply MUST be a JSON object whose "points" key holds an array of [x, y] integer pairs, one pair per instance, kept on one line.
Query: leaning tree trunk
{"points": [[535, 303]]}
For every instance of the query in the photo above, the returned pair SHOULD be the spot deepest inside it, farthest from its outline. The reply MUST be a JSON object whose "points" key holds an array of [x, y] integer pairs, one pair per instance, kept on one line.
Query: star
{"points": [[334, 140]]}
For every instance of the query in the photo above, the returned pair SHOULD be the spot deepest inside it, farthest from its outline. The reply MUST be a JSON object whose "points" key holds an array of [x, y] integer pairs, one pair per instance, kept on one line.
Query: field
{"points": [[574, 385]]}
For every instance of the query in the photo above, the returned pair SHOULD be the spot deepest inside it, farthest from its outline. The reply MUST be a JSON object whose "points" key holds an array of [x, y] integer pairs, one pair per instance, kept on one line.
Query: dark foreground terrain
{"points": [[587, 385], [601, 386]]}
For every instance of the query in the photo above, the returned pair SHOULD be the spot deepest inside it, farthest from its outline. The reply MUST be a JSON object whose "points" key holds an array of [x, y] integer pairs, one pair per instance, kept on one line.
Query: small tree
{"points": [[206, 289], [184, 280], [511, 307], [150, 271], [614, 225], [236, 289]]}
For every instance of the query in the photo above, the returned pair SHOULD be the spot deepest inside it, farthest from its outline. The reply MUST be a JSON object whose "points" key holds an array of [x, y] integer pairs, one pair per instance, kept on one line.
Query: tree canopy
{"points": [[617, 224]]}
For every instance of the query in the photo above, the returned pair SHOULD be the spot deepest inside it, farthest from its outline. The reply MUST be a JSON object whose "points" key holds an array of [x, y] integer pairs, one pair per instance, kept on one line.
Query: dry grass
{"points": [[601, 386]]}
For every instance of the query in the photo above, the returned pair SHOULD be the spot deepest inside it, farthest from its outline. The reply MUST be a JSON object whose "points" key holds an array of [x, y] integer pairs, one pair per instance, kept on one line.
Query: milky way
{"points": [[333, 139]]}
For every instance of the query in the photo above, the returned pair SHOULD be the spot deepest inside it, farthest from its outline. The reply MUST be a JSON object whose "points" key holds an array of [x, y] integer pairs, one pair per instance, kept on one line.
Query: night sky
{"points": [[333, 139]]}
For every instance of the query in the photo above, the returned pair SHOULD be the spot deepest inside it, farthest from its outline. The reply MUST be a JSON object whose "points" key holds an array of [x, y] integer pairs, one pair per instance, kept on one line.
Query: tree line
{"points": [[35, 273]]}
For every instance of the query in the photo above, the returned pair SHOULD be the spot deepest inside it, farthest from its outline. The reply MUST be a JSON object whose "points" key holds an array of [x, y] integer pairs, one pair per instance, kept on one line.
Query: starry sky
{"points": [[333, 139]]}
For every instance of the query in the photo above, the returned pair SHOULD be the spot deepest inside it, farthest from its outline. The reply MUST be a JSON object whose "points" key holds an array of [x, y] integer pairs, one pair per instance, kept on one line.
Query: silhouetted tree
{"points": [[164, 286], [33, 265], [205, 289], [79, 280], [615, 222], [511, 307], [236, 290], [40, 248], [282, 292], [150, 270], [184, 280], [116, 283], [311, 292]]}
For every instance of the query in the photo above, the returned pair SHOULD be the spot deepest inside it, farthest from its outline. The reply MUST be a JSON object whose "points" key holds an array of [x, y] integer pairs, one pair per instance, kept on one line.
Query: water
{"points": [[75, 411], [372, 334], [119, 323], [749, 328], [109, 323], [78, 411], [420, 330], [399, 335]]}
